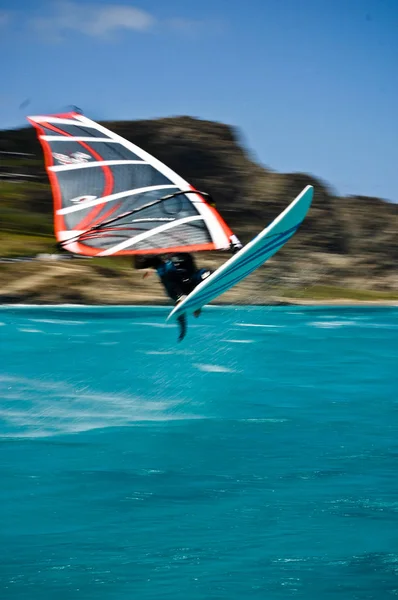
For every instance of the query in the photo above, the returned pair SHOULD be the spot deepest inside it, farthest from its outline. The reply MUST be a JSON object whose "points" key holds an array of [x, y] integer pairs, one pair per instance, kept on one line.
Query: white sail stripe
{"points": [[98, 163], [217, 233], [142, 236], [117, 196], [75, 138], [60, 121]]}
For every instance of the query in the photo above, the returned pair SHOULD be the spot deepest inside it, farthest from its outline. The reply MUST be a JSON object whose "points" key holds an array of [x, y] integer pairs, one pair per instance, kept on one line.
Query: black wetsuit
{"points": [[178, 274]]}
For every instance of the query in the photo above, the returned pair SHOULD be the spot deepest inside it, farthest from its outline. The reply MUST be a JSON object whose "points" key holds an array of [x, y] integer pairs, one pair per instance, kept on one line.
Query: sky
{"points": [[311, 85]]}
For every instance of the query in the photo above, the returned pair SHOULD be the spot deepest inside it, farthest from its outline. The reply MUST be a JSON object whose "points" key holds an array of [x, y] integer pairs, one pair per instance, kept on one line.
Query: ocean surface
{"points": [[256, 459]]}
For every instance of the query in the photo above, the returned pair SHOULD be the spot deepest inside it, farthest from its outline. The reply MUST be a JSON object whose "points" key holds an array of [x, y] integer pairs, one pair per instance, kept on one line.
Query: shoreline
{"points": [[104, 285], [337, 303]]}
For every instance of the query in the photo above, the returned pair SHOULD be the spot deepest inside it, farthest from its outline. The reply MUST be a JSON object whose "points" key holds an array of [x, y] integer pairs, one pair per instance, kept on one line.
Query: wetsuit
{"points": [[178, 274]]}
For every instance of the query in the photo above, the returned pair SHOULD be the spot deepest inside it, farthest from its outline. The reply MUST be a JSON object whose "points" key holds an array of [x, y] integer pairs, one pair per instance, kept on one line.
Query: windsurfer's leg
{"points": [[182, 321], [199, 276]]}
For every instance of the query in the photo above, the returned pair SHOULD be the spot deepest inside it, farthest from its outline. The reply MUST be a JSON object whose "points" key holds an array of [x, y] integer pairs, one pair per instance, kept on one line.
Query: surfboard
{"points": [[249, 258]]}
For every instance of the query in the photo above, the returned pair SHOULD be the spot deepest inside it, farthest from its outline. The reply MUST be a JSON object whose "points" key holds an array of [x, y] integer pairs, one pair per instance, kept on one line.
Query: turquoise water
{"points": [[257, 459]]}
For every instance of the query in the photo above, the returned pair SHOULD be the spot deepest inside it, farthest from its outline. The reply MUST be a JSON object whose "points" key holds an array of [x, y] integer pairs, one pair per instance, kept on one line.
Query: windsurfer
{"points": [[178, 274]]}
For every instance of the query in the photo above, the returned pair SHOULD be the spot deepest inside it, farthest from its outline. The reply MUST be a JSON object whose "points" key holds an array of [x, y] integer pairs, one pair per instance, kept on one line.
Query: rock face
{"points": [[344, 241]]}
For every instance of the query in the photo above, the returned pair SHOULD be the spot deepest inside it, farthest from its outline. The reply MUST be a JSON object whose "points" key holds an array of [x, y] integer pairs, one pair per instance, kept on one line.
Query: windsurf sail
{"points": [[113, 198]]}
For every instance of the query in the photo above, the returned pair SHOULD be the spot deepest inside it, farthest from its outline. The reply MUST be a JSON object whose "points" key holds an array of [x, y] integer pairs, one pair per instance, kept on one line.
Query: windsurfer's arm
{"points": [[145, 262]]}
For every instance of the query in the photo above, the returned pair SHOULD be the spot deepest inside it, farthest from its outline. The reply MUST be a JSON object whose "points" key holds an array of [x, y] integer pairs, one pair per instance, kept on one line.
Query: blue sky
{"points": [[312, 85]]}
